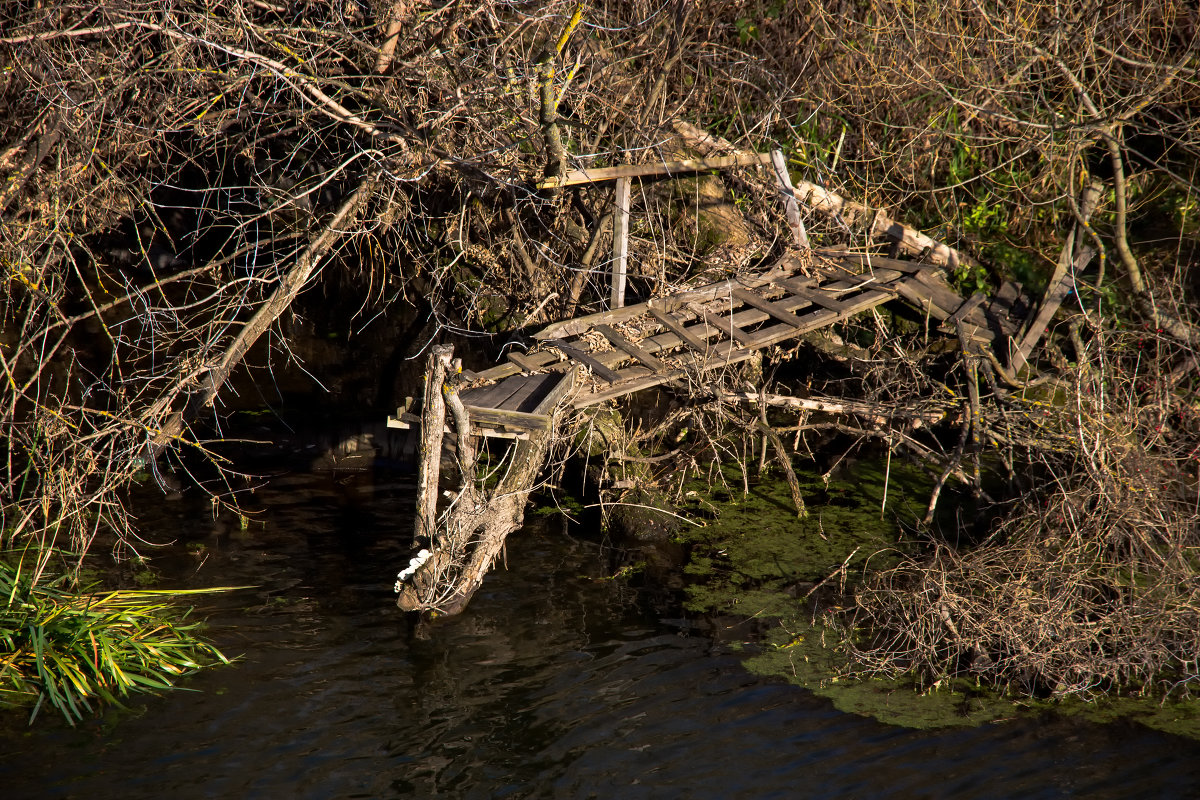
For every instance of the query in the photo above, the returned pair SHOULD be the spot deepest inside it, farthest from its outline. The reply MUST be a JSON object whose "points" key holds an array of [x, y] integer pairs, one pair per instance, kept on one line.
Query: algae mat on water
{"points": [[755, 558], [753, 554]]}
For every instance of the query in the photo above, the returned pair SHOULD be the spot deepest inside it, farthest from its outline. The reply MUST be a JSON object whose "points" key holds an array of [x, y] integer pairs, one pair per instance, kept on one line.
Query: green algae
{"points": [[807, 655], [755, 558], [754, 547]]}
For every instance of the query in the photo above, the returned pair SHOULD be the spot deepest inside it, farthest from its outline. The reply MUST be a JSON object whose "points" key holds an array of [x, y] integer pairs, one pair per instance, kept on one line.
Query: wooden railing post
{"points": [[620, 242]]}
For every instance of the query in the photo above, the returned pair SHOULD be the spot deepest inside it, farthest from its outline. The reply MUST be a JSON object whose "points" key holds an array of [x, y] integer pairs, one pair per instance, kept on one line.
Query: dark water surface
{"points": [[553, 684]]}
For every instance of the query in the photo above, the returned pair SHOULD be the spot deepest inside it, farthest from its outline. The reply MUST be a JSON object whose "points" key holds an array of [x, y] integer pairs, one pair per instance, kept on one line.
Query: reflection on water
{"points": [[553, 684]]}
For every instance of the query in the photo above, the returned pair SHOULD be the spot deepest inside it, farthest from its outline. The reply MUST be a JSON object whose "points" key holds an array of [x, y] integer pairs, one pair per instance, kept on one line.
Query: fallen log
{"points": [[829, 203]]}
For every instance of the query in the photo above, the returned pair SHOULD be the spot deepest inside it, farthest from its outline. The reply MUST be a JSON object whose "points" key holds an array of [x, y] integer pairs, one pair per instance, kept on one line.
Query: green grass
{"points": [[78, 651]]}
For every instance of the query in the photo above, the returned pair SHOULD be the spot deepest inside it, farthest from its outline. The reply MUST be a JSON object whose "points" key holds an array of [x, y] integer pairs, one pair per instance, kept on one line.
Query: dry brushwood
{"points": [[176, 178]]}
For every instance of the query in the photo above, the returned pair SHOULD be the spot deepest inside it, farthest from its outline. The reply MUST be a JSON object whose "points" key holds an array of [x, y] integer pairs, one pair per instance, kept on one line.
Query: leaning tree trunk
{"points": [[468, 535]]}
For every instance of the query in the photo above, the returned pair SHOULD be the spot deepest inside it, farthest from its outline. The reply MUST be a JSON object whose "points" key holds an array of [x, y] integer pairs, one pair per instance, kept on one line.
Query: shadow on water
{"points": [[555, 683]]}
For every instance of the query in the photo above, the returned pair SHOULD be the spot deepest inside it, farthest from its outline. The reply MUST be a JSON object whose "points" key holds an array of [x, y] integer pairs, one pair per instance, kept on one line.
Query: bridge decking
{"points": [[610, 354]]}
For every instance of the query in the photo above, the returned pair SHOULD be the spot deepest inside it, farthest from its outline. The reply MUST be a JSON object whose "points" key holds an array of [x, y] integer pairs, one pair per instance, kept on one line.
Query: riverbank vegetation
{"points": [[73, 649], [185, 185]]}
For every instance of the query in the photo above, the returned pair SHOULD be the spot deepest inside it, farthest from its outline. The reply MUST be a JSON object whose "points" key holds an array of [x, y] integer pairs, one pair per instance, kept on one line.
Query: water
{"points": [[554, 684]]}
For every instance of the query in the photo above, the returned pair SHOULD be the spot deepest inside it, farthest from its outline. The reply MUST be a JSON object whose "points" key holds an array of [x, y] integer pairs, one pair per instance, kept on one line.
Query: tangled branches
{"points": [[176, 175], [1090, 581]]}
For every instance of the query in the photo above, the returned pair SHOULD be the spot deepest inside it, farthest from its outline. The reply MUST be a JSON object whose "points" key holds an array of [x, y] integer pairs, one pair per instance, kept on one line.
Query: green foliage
{"points": [[747, 26], [970, 279], [69, 649]]}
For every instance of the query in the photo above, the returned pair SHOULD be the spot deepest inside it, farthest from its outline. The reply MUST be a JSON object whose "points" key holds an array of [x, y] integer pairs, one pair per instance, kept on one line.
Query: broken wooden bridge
{"points": [[592, 359], [680, 339]]}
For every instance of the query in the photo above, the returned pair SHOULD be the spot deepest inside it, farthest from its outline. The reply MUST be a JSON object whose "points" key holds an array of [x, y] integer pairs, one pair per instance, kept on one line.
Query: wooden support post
{"points": [[620, 242], [433, 420], [790, 206]]}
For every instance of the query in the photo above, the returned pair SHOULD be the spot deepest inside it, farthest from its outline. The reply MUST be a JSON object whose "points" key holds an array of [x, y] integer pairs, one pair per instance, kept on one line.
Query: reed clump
{"points": [[76, 651]]}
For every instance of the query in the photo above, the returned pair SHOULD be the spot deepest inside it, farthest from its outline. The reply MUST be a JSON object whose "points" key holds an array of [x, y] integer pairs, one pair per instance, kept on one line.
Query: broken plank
{"points": [[778, 312], [673, 325], [723, 324], [509, 419], [632, 349], [585, 358]]}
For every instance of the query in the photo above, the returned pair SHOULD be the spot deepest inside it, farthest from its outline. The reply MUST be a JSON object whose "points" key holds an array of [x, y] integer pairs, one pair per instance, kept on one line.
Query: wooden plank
{"points": [[663, 168], [813, 294], [1054, 296], [493, 396], [530, 392], [960, 315], [672, 324], [778, 312], [524, 362], [913, 291], [565, 385], [541, 359], [818, 318], [620, 243], [723, 324], [511, 419], [727, 353], [632, 349], [1010, 305], [724, 354], [585, 358], [947, 298], [788, 265]]}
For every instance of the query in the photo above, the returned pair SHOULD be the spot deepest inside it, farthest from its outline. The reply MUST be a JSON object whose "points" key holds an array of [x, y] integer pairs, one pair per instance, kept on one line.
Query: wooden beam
{"points": [[975, 301], [724, 325], [672, 324], [526, 364], [587, 359], [807, 290], [663, 168], [632, 349], [778, 312]]}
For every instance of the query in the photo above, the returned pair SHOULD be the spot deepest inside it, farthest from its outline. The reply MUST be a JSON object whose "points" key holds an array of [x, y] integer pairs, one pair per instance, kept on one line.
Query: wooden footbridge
{"points": [[681, 339], [604, 356], [589, 360]]}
